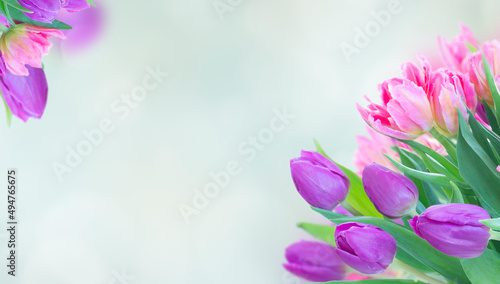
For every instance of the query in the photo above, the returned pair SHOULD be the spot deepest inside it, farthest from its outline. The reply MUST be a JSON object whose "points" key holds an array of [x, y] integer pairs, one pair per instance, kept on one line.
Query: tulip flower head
{"points": [[26, 96], [456, 51], [393, 194], [405, 112], [45, 10], [25, 44], [314, 261], [318, 180], [454, 229], [366, 248]]}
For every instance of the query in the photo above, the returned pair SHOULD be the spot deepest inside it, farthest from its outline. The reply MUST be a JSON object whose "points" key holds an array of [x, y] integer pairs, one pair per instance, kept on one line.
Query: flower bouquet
{"points": [[423, 206], [25, 26]]}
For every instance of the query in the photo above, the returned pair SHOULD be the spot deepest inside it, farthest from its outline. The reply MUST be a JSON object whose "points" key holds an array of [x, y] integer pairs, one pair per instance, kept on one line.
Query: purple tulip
{"points": [[45, 10], [366, 248], [454, 229], [393, 194], [26, 96], [318, 180], [314, 261]]}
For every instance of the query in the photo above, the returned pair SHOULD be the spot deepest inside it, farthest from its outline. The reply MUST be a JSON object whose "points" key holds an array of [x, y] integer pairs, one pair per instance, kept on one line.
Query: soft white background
{"points": [[120, 208]]}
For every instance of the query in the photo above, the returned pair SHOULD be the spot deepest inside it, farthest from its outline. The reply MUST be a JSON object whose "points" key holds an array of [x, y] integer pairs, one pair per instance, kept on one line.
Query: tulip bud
{"points": [[318, 180], [314, 261], [366, 248], [393, 194], [454, 229]]}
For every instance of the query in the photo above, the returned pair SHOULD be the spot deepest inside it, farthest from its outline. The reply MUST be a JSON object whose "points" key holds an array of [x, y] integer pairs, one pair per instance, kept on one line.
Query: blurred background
{"points": [[163, 154]]}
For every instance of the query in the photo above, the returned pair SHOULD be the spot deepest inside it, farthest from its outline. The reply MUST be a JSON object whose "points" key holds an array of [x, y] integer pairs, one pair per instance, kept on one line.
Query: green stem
{"points": [[419, 274]]}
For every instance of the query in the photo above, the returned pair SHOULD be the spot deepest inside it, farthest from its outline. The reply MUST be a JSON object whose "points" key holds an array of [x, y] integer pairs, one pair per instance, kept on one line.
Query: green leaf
{"points": [[471, 48], [18, 15], [91, 3], [4, 8], [478, 169], [411, 244], [492, 121], [484, 268], [426, 193], [492, 223], [493, 88], [430, 177], [378, 281], [456, 196], [321, 232], [447, 144], [480, 134], [356, 197], [14, 4], [7, 111]]}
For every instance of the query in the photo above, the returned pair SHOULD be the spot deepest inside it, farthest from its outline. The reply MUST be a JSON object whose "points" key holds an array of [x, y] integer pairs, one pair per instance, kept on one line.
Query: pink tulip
{"points": [[26, 44], [451, 90], [455, 52], [475, 69], [405, 112]]}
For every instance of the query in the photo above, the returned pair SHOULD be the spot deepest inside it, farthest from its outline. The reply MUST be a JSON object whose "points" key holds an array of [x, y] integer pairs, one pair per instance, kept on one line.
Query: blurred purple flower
{"points": [[314, 261], [86, 28], [26, 96], [454, 229]]}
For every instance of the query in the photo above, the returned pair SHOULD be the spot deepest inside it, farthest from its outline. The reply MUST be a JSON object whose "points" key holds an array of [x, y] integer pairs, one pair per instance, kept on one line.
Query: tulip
{"points": [[393, 194], [366, 248], [26, 96], [318, 180], [455, 52], [474, 67], [405, 112], [24, 44], [45, 10], [454, 229], [451, 90], [314, 261]]}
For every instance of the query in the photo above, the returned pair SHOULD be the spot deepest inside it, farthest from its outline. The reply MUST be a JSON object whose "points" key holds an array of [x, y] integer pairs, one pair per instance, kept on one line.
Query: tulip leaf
{"points": [[484, 268], [478, 169], [7, 111], [431, 177], [492, 223], [492, 121], [324, 233], [456, 194], [91, 3], [414, 248], [378, 281], [4, 8], [14, 4], [448, 145], [20, 16], [356, 197], [426, 193], [493, 88]]}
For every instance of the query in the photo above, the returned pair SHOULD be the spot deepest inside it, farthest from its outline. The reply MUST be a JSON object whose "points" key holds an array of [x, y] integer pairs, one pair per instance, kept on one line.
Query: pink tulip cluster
{"points": [[423, 99]]}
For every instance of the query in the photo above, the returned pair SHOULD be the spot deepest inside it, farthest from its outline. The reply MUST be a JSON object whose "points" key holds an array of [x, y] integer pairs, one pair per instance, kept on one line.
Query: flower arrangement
{"points": [[26, 26], [424, 204]]}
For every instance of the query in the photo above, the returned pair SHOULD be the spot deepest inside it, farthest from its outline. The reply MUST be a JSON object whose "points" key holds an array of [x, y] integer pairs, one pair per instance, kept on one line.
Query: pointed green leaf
{"points": [[493, 88], [456, 196], [324, 233], [492, 223], [430, 177], [478, 169], [18, 15], [492, 120], [484, 268], [14, 4], [448, 145], [356, 197]]}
